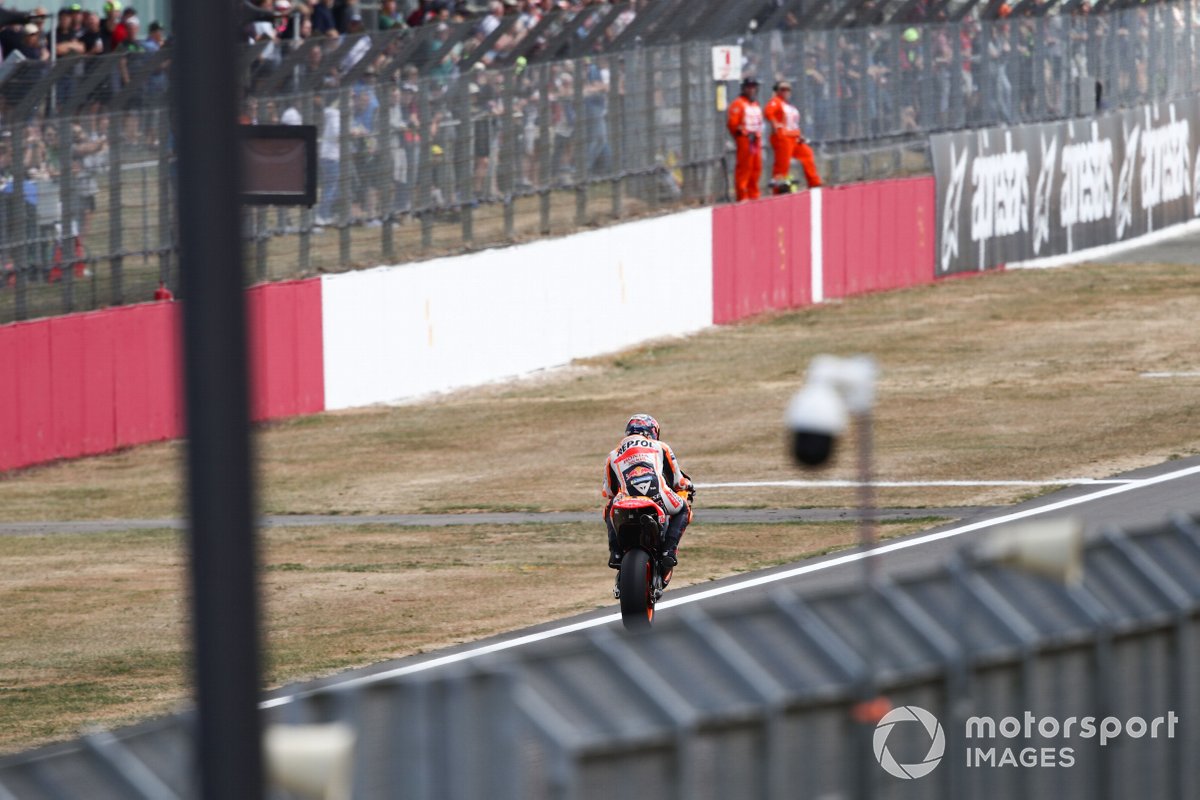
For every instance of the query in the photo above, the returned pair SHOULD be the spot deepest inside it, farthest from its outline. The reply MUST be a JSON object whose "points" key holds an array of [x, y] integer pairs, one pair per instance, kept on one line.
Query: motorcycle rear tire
{"points": [[637, 591]]}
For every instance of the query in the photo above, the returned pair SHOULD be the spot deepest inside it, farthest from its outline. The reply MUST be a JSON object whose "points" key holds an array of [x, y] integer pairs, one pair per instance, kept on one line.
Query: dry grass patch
{"points": [[101, 640], [1020, 375]]}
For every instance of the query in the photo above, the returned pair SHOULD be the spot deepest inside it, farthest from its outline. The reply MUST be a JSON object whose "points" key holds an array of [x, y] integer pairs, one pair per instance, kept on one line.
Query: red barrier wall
{"points": [[878, 236], [761, 257], [90, 383], [286, 349]]}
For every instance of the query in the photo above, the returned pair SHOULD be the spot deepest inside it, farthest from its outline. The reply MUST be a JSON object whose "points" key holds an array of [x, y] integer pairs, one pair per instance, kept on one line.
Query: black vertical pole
{"points": [[222, 536]]}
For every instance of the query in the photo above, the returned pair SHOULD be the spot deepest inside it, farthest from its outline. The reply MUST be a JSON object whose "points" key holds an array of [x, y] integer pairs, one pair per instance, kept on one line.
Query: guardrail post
{"points": [[19, 226]]}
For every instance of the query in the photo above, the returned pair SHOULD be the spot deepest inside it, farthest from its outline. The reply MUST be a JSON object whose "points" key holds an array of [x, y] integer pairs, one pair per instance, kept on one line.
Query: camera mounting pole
{"points": [[836, 391]]}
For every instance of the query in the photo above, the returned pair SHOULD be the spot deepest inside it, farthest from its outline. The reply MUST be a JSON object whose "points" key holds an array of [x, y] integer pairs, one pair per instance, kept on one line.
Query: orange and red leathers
{"points": [[745, 122], [788, 142], [644, 467]]}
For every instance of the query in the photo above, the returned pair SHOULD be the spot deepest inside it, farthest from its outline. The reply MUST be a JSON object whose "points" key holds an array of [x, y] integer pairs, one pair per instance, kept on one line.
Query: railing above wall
{"points": [[428, 150]]}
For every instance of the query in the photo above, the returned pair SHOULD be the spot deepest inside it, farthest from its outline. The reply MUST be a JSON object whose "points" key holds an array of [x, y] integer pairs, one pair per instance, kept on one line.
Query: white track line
{"points": [[906, 484], [1171, 374], [749, 583]]}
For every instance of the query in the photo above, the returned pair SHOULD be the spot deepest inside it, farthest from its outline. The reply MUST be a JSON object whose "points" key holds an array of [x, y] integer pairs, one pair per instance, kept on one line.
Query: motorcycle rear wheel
{"points": [[637, 590]]}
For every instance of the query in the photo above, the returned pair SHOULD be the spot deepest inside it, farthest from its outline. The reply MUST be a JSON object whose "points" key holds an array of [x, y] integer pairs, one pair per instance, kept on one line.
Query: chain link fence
{"points": [[424, 150]]}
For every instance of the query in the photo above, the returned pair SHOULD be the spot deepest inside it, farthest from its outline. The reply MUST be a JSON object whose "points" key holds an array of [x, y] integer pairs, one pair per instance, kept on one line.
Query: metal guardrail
{"points": [[761, 700], [426, 151]]}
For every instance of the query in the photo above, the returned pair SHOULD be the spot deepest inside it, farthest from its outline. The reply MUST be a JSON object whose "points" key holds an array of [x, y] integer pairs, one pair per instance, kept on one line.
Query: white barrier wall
{"points": [[400, 332]]}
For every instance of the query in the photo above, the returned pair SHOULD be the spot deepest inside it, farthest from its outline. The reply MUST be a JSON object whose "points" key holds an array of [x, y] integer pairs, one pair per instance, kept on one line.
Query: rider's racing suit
{"points": [[643, 467]]}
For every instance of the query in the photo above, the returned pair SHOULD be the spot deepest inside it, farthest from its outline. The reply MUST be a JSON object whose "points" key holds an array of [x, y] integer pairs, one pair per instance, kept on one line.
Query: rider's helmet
{"points": [[642, 425]]}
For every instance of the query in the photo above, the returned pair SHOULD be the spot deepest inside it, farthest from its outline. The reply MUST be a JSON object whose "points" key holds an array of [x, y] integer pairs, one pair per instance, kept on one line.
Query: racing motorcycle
{"points": [[641, 526]]}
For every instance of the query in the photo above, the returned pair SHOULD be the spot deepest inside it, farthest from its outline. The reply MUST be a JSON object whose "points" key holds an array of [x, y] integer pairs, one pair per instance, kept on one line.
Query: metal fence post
{"points": [[166, 236], [19, 224], [384, 136], [115, 227], [581, 139], [261, 237], [424, 200], [68, 207], [509, 168], [464, 157], [341, 209], [616, 128], [685, 121], [307, 215], [651, 122], [1189, 54], [545, 136]]}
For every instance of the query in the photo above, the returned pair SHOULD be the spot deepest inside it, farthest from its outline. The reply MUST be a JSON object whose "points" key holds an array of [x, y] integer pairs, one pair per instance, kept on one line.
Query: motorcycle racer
{"points": [[643, 466]]}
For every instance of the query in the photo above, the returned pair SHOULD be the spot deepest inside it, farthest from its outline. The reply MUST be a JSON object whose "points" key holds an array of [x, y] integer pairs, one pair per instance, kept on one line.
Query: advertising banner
{"points": [[1029, 191]]}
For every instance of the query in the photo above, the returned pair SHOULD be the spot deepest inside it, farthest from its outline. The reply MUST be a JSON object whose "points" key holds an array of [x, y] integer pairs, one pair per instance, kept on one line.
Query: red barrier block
{"points": [[878, 236], [98, 384], [164, 365], [146, 371], [68, 395], [761, 257], [10, 423], [35, 413], [286, 349], [310, 348]]}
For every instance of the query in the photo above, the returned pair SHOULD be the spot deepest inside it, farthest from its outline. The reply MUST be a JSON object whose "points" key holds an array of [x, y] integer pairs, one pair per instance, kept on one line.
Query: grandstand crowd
{"points": [[433, 106]]}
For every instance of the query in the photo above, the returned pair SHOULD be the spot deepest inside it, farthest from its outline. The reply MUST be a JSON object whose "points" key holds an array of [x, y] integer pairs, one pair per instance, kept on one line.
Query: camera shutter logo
{"points": [[931, 727]]}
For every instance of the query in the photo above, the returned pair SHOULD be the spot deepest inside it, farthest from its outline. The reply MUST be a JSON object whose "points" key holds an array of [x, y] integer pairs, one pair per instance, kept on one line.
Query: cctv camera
{"points": [[815, 419]]}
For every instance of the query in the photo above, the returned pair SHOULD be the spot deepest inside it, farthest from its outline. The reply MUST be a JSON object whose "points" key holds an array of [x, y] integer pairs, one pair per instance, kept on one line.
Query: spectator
{"points": [[330, 155], [364, 150], [111, 27], [597, 80], [999, 51], [562, 125], [322, 19], [68, 35], [93, 35], [421, 14], [90, 152], [157, 38], [491, 21], [404, 124], [486, 108], [389, 17], [33, 43]]}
